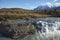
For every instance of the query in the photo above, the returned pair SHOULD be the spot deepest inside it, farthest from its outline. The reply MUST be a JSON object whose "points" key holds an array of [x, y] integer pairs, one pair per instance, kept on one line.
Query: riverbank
{"points": [[18, 13]]}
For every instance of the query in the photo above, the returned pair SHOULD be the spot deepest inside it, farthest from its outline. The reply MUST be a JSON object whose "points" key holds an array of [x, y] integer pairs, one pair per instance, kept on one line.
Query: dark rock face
{"points": [[38, 26], [16, 30]]}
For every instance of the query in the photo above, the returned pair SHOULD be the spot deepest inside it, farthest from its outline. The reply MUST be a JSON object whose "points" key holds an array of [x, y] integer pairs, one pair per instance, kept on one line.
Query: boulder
{"points": [[16, 30]]}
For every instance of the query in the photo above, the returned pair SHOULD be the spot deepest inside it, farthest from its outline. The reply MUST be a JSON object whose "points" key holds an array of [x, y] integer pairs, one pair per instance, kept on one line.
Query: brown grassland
{"points": [[14, 13]]}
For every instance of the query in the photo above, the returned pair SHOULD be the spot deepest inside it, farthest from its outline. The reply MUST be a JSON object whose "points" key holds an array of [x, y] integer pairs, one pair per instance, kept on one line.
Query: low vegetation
{"points": [[14, 13]]}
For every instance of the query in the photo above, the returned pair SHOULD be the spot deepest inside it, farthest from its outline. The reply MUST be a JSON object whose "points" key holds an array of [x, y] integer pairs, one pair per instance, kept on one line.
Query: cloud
{"points": [[55, 0], [57, 4]]}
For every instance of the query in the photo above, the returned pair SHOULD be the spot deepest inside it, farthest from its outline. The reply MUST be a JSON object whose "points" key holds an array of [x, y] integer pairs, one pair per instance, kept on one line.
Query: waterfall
{"points": [[50, 30], [46, 29]]}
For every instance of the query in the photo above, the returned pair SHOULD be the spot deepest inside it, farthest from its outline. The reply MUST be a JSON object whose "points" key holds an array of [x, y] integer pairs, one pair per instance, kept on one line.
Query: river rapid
{"points": [[50, 29]]}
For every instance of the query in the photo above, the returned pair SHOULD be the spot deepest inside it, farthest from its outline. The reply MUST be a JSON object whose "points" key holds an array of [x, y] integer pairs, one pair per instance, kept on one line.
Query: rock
{"points": [[38, 26], [16, 30]]}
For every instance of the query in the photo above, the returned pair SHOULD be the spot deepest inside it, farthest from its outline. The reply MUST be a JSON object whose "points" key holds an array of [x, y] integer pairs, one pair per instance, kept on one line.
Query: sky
{"points": [[27, 4]]}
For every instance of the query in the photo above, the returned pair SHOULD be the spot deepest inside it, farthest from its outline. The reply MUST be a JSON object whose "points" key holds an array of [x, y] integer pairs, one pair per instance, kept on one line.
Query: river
{"points": [[50, 30]]}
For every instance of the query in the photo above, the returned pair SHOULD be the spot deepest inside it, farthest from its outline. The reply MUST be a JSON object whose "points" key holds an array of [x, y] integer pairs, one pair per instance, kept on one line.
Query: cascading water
{"points": [[47, 29], [50, 30]]}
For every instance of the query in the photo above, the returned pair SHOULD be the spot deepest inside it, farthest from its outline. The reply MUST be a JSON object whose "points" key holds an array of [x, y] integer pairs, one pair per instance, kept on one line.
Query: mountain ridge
{"points": [[46, 7]]}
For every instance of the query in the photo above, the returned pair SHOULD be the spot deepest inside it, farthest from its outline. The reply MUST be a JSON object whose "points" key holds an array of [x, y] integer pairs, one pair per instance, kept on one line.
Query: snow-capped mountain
{"points": [[46, 7]]}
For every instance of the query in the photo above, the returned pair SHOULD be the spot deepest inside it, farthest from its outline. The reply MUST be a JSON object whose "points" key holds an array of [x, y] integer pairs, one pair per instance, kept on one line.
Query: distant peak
{"points": [[47, 7]]}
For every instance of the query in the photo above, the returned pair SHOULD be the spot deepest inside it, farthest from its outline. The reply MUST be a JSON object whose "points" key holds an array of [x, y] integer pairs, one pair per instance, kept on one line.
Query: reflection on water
{"points": [[50, 30]]}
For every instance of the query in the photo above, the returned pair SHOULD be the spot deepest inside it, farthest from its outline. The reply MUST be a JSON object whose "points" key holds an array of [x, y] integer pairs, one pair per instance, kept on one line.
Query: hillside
{"points": [[14, 13]]}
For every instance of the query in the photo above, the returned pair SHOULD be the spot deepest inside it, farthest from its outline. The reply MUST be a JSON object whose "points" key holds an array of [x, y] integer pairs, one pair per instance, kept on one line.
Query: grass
{"points": [[14, 13]]}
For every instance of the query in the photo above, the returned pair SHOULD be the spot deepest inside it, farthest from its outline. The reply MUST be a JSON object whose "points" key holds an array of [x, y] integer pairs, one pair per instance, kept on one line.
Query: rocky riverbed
{"points": [[14, 29]]}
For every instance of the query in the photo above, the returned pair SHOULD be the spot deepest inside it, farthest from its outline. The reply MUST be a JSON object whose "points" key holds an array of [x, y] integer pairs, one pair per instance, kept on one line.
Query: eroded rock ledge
{"points": [[16, 29]]}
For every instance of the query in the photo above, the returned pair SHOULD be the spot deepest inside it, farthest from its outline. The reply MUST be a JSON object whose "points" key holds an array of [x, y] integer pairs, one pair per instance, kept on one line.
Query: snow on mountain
{"points": [[48, 6]]}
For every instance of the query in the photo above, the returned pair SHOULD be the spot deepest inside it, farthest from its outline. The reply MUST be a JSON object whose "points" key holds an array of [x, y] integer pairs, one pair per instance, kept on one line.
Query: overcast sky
{"points": [[27, 4]]}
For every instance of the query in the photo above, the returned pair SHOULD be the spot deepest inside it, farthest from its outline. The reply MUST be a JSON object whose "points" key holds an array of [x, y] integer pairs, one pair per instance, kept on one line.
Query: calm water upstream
{"points": [[50, 30]]}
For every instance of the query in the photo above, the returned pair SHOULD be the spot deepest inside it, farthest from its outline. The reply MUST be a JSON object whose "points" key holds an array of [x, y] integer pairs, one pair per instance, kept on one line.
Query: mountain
{"points": [[42, 7], [57, 8], [46, 7]]}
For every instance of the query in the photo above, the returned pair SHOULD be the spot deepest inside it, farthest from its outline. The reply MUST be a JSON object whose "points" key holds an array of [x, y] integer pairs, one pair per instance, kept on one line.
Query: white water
{"points": [[50, 30]]}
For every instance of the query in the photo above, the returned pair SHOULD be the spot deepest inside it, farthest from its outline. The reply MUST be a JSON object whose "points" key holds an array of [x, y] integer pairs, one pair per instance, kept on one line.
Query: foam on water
{"points": [[50, 31]]}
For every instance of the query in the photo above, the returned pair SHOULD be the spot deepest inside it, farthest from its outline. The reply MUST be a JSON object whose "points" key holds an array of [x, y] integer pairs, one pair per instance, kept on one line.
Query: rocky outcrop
{"points": [[16, 30], [38, 25]]}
